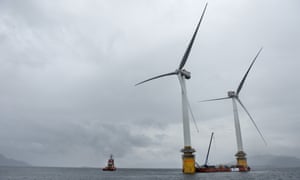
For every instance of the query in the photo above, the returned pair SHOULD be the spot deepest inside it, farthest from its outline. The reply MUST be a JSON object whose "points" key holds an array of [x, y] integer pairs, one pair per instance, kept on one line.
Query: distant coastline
{"points": [[4, 161], [273, 161]]}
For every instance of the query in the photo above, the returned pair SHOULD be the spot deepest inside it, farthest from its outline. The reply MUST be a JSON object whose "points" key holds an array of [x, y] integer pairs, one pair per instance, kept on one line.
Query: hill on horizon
{"points": [[4, 161], [274, 161]]}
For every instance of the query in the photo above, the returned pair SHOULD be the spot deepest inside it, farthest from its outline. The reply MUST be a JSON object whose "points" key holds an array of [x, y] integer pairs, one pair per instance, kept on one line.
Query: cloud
{"points": [[68, 70]]}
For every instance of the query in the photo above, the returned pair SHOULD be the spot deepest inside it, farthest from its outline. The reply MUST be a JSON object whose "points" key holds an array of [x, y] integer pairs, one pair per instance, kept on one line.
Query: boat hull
{"points": [[109, 169], [213, 169]]}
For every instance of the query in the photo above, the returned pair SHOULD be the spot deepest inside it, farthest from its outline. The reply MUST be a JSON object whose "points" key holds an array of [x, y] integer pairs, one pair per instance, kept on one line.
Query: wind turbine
{"points": [[182, 74], [241, 155]]}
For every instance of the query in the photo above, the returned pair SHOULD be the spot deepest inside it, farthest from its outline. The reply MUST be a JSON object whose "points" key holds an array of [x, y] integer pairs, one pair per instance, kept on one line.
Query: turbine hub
{"points": [[185, 73], [231, 94]]}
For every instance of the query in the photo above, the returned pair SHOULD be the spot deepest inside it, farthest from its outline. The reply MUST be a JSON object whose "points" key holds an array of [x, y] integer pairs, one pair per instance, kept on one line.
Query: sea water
{"points": [[51, 173]]}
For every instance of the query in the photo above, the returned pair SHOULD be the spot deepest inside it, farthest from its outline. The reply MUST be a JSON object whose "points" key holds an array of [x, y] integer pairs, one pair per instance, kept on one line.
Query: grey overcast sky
{"points": [[68, 69]]}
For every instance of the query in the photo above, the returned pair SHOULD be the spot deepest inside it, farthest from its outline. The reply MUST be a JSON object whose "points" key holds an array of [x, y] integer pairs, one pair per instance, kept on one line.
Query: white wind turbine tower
{"points": [[188, 157], [241, 155]]}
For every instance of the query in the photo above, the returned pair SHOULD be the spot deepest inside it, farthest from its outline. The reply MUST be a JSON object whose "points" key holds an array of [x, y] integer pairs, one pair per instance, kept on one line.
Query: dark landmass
{"points": [[273, 161], [4, 161], [253, 161]]}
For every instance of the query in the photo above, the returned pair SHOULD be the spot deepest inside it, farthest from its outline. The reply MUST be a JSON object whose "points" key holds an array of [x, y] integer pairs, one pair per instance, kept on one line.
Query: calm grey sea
{"points": [[46, 173]]}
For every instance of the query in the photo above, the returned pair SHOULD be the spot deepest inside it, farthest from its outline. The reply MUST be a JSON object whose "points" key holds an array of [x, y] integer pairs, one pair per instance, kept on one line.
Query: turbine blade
{"points": [[245, 76], [187, 51], [252, 120], [188, 104], [156, 77], [192, 114], [215, 99]]}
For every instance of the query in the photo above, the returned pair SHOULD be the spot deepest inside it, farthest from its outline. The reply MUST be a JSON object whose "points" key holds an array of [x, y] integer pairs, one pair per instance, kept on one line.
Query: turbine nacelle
{"points": [[231, 94], [184, 73]]}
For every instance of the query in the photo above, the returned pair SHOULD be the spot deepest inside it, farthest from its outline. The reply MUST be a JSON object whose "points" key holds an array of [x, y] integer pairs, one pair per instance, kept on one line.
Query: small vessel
{"points": [[220, 168], [110, 164]]}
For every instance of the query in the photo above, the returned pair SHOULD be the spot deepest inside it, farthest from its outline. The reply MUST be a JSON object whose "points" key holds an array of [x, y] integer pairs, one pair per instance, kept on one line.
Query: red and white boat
{"points": [[110, 164]]}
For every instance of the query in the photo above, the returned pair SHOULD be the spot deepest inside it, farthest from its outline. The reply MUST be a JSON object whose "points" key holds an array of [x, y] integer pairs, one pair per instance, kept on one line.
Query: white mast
{"points": [[237, 126], [185, 114]]}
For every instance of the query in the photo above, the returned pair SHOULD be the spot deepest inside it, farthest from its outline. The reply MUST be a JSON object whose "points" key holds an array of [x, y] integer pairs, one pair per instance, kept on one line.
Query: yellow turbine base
{"points": [[189, 165], [242, 162]]}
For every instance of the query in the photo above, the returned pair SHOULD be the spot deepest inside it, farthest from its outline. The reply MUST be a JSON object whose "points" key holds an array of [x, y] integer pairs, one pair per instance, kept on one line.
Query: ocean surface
{"points": [[51, 173]]}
